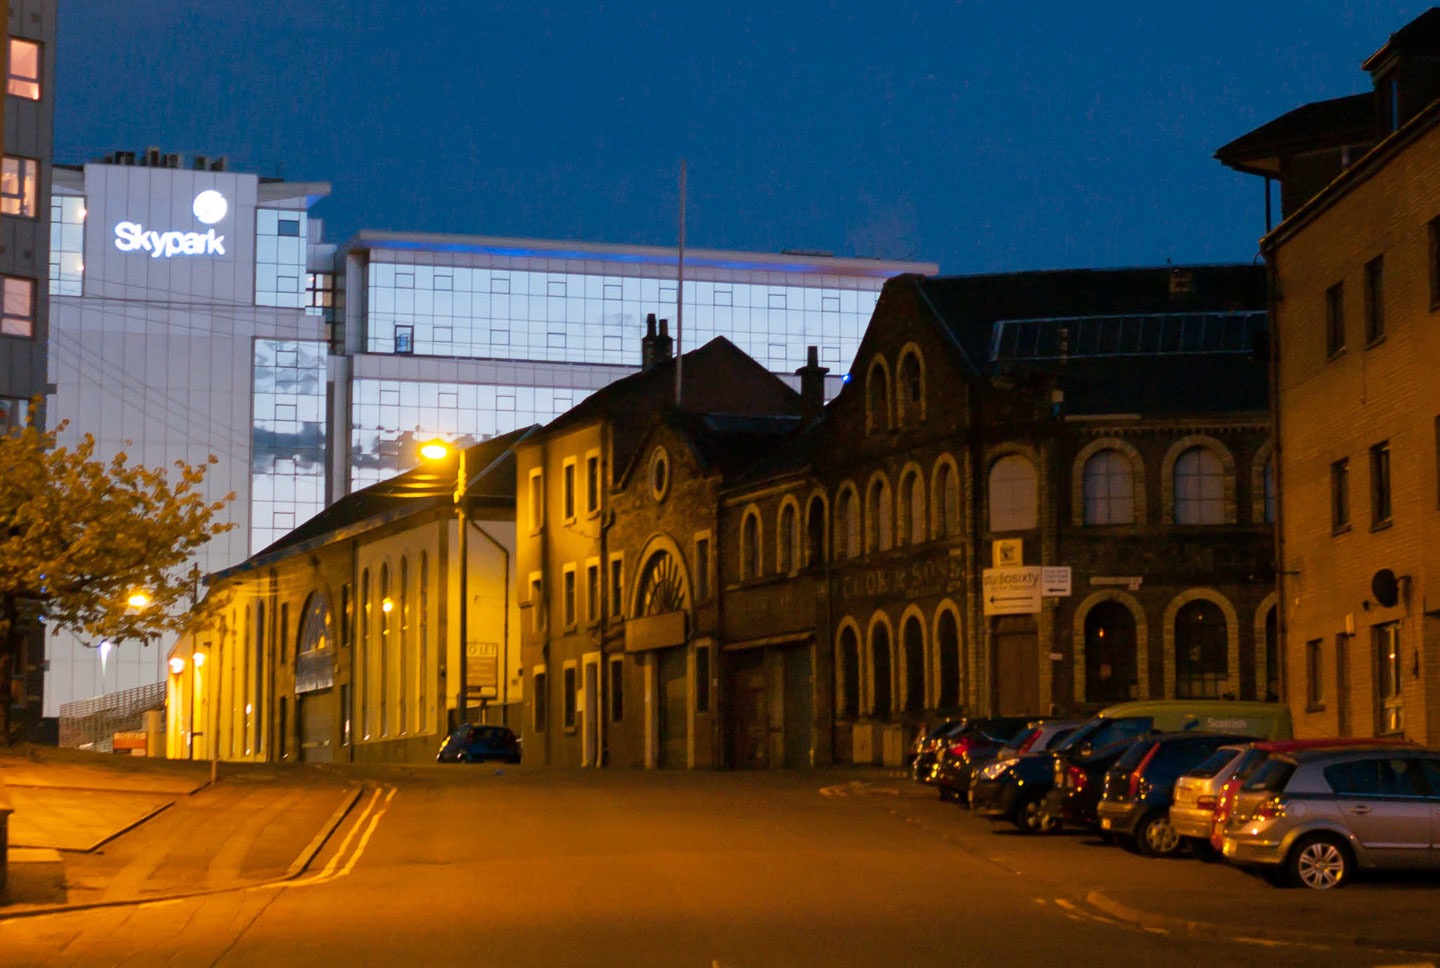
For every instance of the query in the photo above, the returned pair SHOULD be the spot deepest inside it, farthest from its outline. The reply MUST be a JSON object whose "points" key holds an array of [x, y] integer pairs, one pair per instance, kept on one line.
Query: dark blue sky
{"points": [[985, 136]]}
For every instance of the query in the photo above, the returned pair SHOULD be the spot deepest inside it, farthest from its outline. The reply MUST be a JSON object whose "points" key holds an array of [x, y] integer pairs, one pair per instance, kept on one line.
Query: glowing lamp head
{"points": [[199, 659], [138, 599], [177, 665], [387, 606], [435, 450]]}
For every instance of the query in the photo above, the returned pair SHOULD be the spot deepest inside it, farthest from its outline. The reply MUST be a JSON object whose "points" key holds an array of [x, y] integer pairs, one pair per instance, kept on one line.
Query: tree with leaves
{"points": [[80, 536]]}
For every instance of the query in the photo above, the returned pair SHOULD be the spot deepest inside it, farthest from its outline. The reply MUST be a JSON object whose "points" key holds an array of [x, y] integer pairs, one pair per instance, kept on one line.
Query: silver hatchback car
{"points": [[1324, 813]]}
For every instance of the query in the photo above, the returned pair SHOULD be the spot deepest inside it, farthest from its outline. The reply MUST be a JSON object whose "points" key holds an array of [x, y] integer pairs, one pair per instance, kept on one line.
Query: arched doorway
{"points": [[947, 644], [1110, 658], [880, 663], [849, 674], [1202, 647]]}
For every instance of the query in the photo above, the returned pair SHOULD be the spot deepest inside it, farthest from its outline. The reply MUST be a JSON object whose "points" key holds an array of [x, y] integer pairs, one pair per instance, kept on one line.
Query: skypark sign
{"points": [[209, 207]]}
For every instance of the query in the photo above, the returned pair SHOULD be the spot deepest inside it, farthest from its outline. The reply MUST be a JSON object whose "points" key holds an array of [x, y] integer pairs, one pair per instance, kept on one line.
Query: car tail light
{"points": [[1137, 775], [1225, 803], [1205, 803], [1075, 778], [1271, 809], [962, 746]]}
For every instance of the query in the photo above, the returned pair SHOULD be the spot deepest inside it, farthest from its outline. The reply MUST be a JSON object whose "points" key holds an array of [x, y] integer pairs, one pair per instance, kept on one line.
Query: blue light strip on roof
{"points": [[633, 258]]}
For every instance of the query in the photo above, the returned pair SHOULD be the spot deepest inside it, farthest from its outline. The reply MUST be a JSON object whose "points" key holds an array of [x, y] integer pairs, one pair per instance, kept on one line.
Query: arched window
{"points": [[1201, 651], [910, 387], [847, 523], [1274, 677], [363, 666], [1012, 494], [947, 644], [946, 499], [880, 662], [402, 647], [877, 398], [911, 529], [662, 586], [386, 607], [785, 539], [750, 545], [877, 530], [849, 674], [1269, 485], [815, 532], [1110, 654], [913, 643], [1109, 488], [1199, 487]]}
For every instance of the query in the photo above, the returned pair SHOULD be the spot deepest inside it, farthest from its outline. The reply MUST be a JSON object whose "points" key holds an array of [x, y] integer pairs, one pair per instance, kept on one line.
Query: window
{"points": [[320, 287], [659, 474], [617, 690], [1375, 300], [847, 524], [750, 546], [877, 397], [1199, 487], [1340, 495], [1201, 651], [569, 697], [1380, 485], [911, 389], [617, 599], [537, 501], [1314, 675], [1109, 489], [18, 180], [702, 569], [785, 540], [947, 501], [592, 484], [18, 315], [911, 528], [814, 533], [1389, 678], [567, 490], [1335, 319], [702, 679], [24, 79], [567, 595], [537, 605], [1268, 483], [877, 517], [592, 591], [542, 701], [1012, 494]]}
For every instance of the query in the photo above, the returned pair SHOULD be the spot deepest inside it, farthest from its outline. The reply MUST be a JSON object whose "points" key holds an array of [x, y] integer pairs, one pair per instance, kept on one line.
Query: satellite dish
{"points": [[1385, 587]]}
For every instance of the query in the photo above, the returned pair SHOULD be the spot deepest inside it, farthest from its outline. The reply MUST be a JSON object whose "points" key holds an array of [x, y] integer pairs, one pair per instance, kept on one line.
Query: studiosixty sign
{"points": [[209, 207]]}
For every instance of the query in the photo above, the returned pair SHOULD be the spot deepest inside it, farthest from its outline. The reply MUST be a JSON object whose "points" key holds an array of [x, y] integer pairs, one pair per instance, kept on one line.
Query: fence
{"points": [[92, 723]]}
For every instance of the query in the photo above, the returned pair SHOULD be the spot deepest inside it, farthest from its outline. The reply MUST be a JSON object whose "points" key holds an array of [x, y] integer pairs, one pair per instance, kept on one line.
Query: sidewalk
{"points": [[97, 829]]}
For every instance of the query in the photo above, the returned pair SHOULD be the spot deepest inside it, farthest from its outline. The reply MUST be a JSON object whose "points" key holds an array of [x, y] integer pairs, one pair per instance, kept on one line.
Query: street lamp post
{"points": [[435, 451]]}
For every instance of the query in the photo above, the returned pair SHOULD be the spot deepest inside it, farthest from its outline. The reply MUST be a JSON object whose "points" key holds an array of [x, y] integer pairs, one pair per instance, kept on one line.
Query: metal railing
{"points": [[93, 723]]}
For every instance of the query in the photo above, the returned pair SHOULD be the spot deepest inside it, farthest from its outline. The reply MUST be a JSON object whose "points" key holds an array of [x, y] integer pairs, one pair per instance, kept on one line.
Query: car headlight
{"points": [[996, 769]]}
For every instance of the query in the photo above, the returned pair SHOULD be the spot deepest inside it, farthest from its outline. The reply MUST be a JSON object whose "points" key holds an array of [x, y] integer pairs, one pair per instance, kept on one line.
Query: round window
{"points": [[659, 473]]}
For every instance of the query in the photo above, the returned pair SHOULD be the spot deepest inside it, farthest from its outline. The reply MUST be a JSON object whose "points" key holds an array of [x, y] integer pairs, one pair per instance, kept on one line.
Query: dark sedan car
{"points": [[480, 744], [979, 742]]}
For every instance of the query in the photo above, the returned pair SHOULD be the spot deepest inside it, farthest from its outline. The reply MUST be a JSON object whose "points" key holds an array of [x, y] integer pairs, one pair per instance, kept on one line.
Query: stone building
{"points": [[1355, 276], [343, 640]]}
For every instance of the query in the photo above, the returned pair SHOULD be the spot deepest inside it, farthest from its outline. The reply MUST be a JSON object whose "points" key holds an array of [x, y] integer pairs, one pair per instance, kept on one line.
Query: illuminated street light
{"points": [[177, 665], [139, 598], [436, 451]]}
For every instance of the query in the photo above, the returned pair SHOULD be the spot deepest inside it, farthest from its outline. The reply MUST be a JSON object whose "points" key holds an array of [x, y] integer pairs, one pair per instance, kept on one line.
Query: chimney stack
{"points": [[655, 348], [812, 384]]}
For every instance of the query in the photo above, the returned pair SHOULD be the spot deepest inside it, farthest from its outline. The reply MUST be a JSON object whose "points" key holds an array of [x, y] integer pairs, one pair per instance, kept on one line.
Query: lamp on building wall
{"points": [[437, 451]]}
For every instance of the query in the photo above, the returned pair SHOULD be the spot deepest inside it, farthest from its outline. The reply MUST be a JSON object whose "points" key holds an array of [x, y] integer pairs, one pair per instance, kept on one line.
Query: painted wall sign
{"points": [[209, 207]]}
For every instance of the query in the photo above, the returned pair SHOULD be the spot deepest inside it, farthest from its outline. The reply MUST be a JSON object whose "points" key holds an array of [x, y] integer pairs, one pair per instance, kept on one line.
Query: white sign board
{"points": [[1011, 591], [1055, 581]]}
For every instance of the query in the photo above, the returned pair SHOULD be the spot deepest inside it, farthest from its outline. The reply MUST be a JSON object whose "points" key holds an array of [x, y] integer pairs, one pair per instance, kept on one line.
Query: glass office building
{"points": [[197, 311]]}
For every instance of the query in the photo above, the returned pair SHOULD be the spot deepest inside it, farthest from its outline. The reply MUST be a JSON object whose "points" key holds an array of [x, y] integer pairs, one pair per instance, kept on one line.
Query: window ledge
{"points": [[1382, 525], [1371, 344], [1315, 707], [1342, 529]]}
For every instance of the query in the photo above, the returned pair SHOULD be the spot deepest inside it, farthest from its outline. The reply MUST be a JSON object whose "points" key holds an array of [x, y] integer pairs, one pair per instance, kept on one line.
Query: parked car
{"points": [[1079, 772], [1255, 756], [1037, 737], [925, 751], [473, 743], [1192, 807], [979, 742], [1138, 790], [1325, 813]]}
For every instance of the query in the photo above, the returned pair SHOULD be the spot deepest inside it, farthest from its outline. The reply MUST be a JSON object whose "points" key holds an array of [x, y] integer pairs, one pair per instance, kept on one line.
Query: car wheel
{"points": [[1156, 838], [1319, 863], [1031, 818]]}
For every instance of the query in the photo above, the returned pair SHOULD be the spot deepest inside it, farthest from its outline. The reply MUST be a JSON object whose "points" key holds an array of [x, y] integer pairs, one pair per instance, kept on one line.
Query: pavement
{"points": [[91, 829]]}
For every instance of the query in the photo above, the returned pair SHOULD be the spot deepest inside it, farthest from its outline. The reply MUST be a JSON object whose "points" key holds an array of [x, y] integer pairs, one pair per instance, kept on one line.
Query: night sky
{"points": [[985, 136]]}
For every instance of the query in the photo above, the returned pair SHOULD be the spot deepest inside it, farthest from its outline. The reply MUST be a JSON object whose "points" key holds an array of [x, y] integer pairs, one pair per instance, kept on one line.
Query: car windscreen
{"points": [[1111, 734], [1211, 766], [1271, 777]]}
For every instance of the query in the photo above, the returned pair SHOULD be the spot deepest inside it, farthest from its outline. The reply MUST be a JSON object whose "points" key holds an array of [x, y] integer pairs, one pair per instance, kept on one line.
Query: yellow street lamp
{"points": [[436, 451], [139, 598]]}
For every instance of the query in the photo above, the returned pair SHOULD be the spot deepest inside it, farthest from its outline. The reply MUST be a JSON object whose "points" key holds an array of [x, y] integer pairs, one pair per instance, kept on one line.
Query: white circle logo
{"points": [[210, 206]]}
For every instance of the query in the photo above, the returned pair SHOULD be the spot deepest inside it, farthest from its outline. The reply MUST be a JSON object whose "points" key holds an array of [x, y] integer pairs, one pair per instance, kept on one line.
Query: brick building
{"points": [[1355, 276]]}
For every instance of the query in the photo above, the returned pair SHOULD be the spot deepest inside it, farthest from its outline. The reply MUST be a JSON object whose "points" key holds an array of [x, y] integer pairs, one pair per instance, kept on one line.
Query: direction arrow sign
{"points": [[1010, 591]]}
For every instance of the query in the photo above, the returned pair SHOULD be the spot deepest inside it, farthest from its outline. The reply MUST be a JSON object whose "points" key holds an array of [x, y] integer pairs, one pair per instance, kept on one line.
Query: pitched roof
{"points": [[490, 468]]}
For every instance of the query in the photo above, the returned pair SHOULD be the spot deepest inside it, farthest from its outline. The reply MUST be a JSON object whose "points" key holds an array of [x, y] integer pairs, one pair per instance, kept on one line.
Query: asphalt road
{"points": [[470, 866]]}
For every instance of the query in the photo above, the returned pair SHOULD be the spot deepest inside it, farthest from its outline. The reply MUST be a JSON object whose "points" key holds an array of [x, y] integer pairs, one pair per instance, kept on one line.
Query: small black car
{"points": [[473, 743]]}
